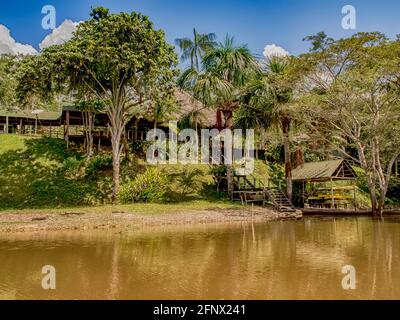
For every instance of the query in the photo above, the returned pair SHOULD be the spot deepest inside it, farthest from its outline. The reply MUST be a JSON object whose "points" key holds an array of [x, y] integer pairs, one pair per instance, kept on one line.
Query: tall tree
{"points": [[120, 58], [7, 82], [351, 87], [268, 103], [219, 84], [194, 49]]}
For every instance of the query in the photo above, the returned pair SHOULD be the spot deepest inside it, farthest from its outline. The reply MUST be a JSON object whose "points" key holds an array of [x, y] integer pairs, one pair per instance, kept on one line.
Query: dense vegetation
{"points": [[341, 99], [42, 173]]}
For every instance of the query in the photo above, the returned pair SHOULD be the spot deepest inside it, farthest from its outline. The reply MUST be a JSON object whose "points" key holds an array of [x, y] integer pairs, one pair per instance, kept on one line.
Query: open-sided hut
{"points": [[326, 184]]}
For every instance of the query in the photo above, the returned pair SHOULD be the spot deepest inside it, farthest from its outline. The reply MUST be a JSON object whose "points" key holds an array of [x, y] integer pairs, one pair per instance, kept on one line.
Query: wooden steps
{"points": [[247, 192], [280, 200]]}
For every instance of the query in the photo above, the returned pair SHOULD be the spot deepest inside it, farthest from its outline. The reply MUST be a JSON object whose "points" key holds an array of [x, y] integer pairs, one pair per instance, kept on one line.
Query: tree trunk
{"points": [[229, 166], [116, 172], [117, 126], [88, 122], [116, 152], [372, 192], [288, 161], [219, 120]]}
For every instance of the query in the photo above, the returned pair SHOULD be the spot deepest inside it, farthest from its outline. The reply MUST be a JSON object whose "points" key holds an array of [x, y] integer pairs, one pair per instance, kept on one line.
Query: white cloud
{"points": [[273, 50], [9, 46], [59, 35]]}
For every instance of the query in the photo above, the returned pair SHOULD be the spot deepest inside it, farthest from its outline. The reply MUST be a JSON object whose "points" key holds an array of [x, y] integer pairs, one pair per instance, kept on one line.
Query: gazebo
{"points": [[327, 184]]}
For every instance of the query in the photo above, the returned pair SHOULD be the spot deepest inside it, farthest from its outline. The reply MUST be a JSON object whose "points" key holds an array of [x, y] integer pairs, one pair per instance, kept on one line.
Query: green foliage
{"points": [[195, 49], [277, 174], [139, 148], [7, 82], [218, 171], [274, 153], [225, 70], [42, 173], [188, 181], [37, 173], [72, 167], [350, 100], [394, 192], [92, 105], [99, 163], [120, 58], [150, 186]]}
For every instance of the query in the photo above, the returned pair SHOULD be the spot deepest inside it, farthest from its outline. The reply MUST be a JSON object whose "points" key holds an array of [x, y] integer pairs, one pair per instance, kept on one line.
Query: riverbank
{"points": [[132, 216]]}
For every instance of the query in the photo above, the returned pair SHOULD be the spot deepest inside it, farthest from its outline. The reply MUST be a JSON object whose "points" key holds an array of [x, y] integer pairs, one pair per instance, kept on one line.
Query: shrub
{"points": [[150, 186], [99, 163], [139, 148], [277, 175], [72, 167]]}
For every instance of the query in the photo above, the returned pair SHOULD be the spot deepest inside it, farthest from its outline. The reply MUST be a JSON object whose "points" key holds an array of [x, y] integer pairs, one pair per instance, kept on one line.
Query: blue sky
{"points": [[255, 22]]}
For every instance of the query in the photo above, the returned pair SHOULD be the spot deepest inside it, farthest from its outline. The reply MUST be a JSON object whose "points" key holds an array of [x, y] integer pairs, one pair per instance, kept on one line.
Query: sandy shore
{"points": [[80, 220]]}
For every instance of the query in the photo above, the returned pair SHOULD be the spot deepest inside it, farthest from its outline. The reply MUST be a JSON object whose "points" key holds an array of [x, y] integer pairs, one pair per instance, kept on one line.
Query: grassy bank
{"points": [[40, 173]]}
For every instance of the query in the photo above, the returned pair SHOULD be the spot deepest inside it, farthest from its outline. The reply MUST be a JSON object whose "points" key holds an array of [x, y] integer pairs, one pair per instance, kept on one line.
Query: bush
{"points": [[277, 175], [72, 167], [150, 186], [99, 163], [139, 148]]}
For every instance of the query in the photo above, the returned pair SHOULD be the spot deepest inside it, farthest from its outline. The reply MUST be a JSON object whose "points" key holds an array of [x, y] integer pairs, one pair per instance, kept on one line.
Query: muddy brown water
{"points": [[274, 260]]}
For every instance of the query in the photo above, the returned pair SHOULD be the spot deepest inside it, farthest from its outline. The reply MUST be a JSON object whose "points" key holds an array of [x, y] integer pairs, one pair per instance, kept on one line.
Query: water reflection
{"points": [[278, 260]]}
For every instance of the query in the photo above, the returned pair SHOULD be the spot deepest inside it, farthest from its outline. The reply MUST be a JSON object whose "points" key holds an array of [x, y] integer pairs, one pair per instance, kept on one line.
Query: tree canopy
{"points": [[351, 99], [120, 58]]}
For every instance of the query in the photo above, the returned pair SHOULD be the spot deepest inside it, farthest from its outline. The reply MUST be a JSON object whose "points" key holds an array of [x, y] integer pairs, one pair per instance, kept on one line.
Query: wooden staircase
{"points": [[249, 190], [280, 200]]}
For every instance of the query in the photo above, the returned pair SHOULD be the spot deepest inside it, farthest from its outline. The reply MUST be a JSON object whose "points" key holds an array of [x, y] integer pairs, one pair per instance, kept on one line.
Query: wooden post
{"points": [[355, 195], [332, 194], [20, 126], [66, 129], [36, 124], [6, 127], [99, 145]]}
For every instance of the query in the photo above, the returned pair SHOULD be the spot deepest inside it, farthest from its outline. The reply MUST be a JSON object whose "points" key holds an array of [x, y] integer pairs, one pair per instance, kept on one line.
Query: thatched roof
{"points": [[189, 104], [323, 171]]}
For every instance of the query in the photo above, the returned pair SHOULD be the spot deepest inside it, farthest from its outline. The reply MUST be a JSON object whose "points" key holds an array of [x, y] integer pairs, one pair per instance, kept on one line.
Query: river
{"points": [[275, 260]]}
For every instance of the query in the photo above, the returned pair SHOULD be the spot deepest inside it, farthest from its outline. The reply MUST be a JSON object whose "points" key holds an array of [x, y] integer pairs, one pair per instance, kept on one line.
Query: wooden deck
{"points": [[343, 212]]}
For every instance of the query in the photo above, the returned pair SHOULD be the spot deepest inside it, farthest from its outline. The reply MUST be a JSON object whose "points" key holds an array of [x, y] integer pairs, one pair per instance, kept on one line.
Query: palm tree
{"points": [[269, 104], [226, 70], [196, 48], [193, 119]]}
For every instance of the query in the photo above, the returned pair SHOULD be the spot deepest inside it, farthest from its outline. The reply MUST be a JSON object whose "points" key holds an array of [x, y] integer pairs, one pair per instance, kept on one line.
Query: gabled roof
{"points": [[324, 171]]}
